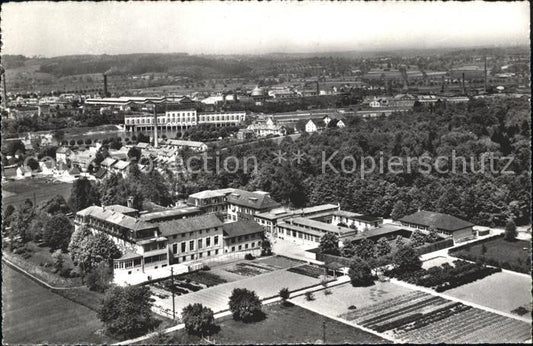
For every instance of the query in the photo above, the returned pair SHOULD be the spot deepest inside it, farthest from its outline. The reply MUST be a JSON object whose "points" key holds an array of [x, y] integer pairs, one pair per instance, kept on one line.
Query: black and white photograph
{"points": [[281, 172]]}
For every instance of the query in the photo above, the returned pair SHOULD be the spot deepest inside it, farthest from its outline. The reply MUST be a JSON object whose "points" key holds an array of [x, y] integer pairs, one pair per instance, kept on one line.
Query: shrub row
{"points": [[446, 276]]}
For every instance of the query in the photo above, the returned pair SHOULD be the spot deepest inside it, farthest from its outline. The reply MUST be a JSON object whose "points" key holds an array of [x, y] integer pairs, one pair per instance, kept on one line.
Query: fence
{"points": [[461, 247], [439, 245]]}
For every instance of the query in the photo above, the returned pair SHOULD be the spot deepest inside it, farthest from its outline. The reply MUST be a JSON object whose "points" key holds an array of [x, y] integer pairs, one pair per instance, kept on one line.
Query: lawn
{"points": [[33, 314], [283, 325], [502, 291], [44, 189], [513, 255]]}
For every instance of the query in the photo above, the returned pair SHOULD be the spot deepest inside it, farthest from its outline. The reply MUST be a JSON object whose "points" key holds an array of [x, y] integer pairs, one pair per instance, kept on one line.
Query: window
{"points": [[175, 248], [215, 240], [183, 235], [253, 244], [240, 247], [233, 240], [183, 246], [216, 252], [191, 234], [192, 257], [200, 255], [184, 259], [191, 245], [232, 248], [208, 242], [246, 246], [200, 232], [208, 253], [199, 243]]}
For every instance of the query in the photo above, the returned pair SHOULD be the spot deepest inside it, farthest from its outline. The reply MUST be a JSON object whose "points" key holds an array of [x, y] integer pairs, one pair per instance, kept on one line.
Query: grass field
{"points": [[33, 314], [502, 291], [513, 255], [282, 325], [43, 189]]}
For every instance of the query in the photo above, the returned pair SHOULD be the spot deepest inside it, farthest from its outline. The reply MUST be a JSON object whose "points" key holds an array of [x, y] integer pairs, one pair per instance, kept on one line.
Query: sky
{"points": [[65, 28]]}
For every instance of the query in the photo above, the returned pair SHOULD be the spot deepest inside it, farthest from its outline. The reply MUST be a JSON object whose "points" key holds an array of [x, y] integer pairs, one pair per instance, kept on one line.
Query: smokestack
{"points": [[485, 86], [464, 89], [105, 85], [4, 89], [155, 128]]}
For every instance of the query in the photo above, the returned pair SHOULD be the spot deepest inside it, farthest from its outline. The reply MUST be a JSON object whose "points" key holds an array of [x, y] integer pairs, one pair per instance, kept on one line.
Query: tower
{"points": [[155, 126]]}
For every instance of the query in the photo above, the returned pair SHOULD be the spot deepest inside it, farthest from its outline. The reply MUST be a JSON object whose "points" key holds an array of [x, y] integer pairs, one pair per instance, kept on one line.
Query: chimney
{"points": [[105, 85], [4, 89], [464, 89], [130, 202], [155, 128]]}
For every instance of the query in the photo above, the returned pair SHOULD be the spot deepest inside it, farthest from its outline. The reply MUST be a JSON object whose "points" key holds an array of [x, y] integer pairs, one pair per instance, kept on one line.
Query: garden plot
{"points": [[309, 270], [417, 317], [247, 269]]}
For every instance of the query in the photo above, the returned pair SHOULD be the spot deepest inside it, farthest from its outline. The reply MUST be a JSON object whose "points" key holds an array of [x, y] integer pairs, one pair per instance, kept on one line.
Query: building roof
{"points": [[170, 213], [438, 220], [283, 212], [326, 227], [114, 217], [108, 162], [382, 230], [121, 165], [253, 200], [191, 224], [242, 227], [182, 143], [63, 150], [360, 217], [121, 209], [100, 173], [142, 145], [207, 194]]}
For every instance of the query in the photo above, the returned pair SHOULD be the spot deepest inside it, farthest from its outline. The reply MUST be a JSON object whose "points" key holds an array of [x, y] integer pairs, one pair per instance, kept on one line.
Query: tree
{"points": [[406, 259], [134, 153], [432, 236], [284, 295], [126, 311], [510, 231], [329, 244], [57, 232], [198, 319], [349, 249], [99, 278], [82, 195], [383, 247], [399, 210], [360, 273], [78, 241], [400, 241], [266, 247], [418, 238], [365, 249], [244, 305], [96, 250], [59, 260]]}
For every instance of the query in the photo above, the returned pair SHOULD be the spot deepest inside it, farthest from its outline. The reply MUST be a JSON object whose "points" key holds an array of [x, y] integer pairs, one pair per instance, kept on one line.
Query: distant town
{"points": [[183, 199]]}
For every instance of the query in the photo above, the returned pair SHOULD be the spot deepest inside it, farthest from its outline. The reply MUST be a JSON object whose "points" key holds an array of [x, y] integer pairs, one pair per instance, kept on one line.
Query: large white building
{"points": [[171, 122]]}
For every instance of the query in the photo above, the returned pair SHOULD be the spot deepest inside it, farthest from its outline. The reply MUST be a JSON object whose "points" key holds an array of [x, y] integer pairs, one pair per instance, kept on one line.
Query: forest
{"points": [[501, 127]]}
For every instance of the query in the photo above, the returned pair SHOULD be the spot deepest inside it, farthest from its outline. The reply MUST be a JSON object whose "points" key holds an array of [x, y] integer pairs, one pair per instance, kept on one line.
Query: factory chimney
{"points": [[464, 88], [105, 85], [317, 88], [155, 127], [4, 89]]}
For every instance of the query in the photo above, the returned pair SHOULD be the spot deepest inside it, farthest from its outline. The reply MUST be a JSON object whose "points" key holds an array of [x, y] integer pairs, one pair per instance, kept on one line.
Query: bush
{"points": [[249, 257], [198, 319], [360, 273], [284, 294], [245, 305], [309, 296]]}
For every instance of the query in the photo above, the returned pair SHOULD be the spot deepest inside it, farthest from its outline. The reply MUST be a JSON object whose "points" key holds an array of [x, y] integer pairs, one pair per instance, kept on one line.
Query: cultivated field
{"points": [[513, 255], [416, 317], [283, 325], [502, 291], [44, 189], [33, 314]]}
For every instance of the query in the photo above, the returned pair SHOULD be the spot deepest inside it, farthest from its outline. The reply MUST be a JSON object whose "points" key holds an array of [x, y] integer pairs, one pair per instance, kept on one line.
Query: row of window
{"points": [[200, 243], [243, 238], [200, 255], [301, 235], [200, 232], [245, 247]]}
